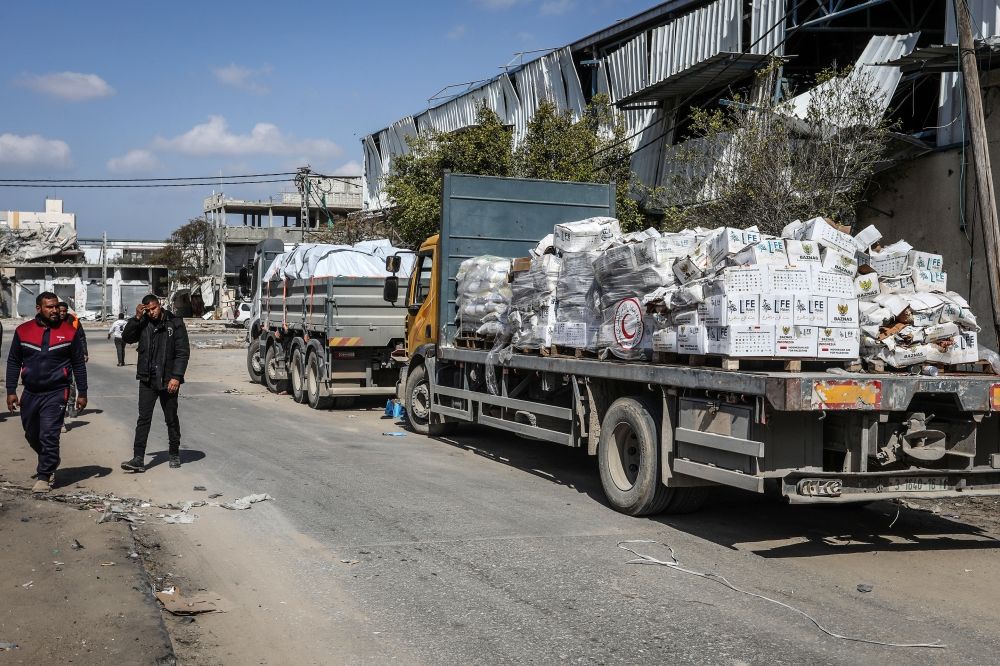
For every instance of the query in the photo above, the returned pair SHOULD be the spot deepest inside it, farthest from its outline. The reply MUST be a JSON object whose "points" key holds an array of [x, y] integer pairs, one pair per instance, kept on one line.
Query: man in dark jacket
{"points": [[163, 358], [43, 353]]}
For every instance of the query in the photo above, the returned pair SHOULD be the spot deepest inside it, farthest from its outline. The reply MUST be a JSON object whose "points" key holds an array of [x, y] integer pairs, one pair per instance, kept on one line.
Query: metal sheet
{"points": [[695, 37], [498, 94], [985, 24], [767, 27], [552, 77]]}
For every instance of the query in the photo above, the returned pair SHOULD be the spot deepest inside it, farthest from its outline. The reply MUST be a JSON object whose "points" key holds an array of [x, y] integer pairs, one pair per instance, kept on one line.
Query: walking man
{"points": [[163, 358], [44, 353], [116, 331], [74, 321]]}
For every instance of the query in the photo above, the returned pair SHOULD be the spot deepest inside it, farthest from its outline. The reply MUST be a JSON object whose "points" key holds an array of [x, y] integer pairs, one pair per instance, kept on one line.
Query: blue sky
{"points": [[116, 89]]}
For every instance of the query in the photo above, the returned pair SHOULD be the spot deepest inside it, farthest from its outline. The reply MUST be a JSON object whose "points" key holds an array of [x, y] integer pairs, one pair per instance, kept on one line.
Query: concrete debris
{"points": [[245, 502], [36, 242], [177, 604], [865, 587], [178, 518]]}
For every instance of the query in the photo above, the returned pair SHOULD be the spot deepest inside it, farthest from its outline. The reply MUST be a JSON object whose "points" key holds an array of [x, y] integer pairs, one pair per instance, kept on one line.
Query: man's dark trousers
{"points": [[42, 416], [168, 402], [120, 348]]}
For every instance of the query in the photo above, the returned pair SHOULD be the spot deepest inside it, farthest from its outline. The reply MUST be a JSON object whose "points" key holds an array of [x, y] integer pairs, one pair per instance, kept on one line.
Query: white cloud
{"points": [[73, 86], [352, 168], [555, 7], [33, 150], [134, 161], [243, 78], [525, 37], [457, 32], [214, 138], [497, 4]]}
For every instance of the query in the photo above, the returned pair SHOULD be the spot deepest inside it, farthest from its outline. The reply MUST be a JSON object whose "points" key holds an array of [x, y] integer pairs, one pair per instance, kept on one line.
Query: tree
{"points": [[415, 180], [766, 163], [186, 254]]}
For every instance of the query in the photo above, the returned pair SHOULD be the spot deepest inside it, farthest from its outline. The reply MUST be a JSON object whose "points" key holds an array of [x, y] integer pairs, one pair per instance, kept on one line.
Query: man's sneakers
{"points": [[43, 485], [175, 462], [134, 465]]}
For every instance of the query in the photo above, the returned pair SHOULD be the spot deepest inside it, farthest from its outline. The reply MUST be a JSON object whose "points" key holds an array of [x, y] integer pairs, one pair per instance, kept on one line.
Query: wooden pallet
{"points": [[754, 364], [473, 342], [559, 351]]}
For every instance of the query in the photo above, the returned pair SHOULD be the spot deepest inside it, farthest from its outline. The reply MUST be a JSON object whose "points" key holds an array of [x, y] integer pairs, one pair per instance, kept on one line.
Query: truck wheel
{"points": [[314, 389], [296, 372], [417, 402], [255, 364], [274, 385], [628, 457]]}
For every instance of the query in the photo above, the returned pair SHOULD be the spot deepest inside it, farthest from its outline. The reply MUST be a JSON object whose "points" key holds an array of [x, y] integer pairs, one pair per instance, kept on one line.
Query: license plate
{"points": [[917, 484]]}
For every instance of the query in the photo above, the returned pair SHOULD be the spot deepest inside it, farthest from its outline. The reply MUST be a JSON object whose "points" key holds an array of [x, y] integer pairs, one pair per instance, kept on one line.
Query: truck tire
{"points": [[255, 364], [629, 457], [274, 385], [315, 394], [296, 374], [416, 401]]}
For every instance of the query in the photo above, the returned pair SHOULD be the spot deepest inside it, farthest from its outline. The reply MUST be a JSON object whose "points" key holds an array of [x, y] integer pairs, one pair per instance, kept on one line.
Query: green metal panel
{"points": [[505, 217]]}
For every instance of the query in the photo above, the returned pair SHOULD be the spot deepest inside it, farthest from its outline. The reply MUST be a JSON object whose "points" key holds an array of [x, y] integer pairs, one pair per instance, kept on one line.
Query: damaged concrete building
{"points": [[660, 64], [41, 252]]}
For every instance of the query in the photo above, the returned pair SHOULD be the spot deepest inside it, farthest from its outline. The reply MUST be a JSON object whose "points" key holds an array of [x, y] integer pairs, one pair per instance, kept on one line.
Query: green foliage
{"points": [[555, 148], [186, 252]]}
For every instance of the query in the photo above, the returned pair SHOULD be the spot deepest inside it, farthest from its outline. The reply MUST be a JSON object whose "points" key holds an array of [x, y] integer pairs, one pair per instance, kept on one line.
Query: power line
{"points": [[145, 185], [343, 179], [140, 180]]}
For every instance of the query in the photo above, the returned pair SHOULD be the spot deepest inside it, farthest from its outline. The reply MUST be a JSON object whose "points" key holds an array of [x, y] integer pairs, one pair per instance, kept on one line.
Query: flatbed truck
{"points": [[664, 434]]}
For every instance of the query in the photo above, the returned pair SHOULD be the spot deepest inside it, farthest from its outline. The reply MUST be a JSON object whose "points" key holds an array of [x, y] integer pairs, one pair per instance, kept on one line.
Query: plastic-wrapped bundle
{"points": [[635, 269], [577, 309], [626, 330], [483, 291], [532, 306]]}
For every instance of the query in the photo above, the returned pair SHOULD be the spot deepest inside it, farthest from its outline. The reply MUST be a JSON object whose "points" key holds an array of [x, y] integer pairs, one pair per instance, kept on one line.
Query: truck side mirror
{"points": [[392, 264], [390, 291], [245, 286]]}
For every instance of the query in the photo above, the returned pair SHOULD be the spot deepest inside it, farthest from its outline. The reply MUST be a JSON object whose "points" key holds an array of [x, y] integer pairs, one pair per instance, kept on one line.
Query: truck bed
{"points": [[785, 391]]}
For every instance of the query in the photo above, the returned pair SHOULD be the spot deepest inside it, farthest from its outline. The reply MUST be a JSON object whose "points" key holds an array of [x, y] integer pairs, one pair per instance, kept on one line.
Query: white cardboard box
{"points": [[729, 241], [570, 334], [932, 262], [818, 230], [891, 260], [685, 270], [839, 343], [867, 237], [928, 280], [717, 340], [802, 253], [809, 310], [789, 279], [770, 251], [795, 341], [725, 309], [839, 262], [826, 283], [586, 235], [866, 286], [691, 339], [751, 341], [748, 280], [842, 312], [777, 309], [897, 284], [665, 339]]}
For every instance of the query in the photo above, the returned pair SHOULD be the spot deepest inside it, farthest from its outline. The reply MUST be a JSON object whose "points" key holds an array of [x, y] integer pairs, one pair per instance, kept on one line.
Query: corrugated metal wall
{"points": [[552, 77], [695, 37], [460, 112], [767, 27], [986, 24]]}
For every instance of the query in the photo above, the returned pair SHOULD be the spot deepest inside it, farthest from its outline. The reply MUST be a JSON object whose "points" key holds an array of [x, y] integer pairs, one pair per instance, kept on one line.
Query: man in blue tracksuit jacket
{"points": [[43, 353]]}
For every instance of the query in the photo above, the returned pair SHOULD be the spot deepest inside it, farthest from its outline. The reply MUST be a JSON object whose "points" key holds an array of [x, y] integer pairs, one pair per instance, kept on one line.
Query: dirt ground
{"points": [[71, 592]]}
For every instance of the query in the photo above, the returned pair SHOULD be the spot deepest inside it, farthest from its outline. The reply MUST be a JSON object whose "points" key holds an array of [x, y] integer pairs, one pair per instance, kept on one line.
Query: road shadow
{"points": [[187, 456], [765, 525], [68, 476]]}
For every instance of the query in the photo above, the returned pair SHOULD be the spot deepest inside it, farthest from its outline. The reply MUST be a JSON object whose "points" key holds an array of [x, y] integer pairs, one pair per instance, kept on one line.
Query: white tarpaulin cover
{"points": [[364, 259]]}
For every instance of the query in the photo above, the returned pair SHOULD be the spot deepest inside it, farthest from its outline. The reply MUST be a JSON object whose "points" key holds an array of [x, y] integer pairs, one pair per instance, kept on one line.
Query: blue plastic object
{"points": [[398, 411], [390, 407]]}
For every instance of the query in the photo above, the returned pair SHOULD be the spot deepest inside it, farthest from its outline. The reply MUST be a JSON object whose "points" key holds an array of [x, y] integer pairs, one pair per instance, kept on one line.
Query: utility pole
{"points": [[104, 276], [302, 184], [980, 154]]}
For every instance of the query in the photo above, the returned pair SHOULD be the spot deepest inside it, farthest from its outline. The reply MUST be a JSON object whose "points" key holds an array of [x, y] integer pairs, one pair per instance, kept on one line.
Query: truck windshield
{"points": [[424, 269]]}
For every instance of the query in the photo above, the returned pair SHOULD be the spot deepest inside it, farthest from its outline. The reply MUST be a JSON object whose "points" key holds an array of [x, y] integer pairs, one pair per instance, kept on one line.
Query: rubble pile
{"points": [[815, 292]]}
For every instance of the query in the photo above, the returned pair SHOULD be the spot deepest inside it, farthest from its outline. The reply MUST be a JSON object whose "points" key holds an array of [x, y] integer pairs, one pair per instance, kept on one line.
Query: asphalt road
{"points": [[485, 548]]}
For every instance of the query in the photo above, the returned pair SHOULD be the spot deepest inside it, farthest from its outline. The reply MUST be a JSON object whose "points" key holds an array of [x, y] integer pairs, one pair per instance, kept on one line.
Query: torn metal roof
{"points": [[719, 70]]}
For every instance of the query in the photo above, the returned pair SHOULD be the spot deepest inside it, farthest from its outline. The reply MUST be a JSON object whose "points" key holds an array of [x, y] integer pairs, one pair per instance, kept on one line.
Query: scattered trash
{"points": [[5, 646], [674, 564], [233, 391], [107, 564], [394, 434], [25, 519], [58, 563], [178, 518], [133, 555], [17, 459], [214, 495], [177, 604], [865, 587], [28, 584], [245, 502], [76, 545], [351, 561], [201, 488]]}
